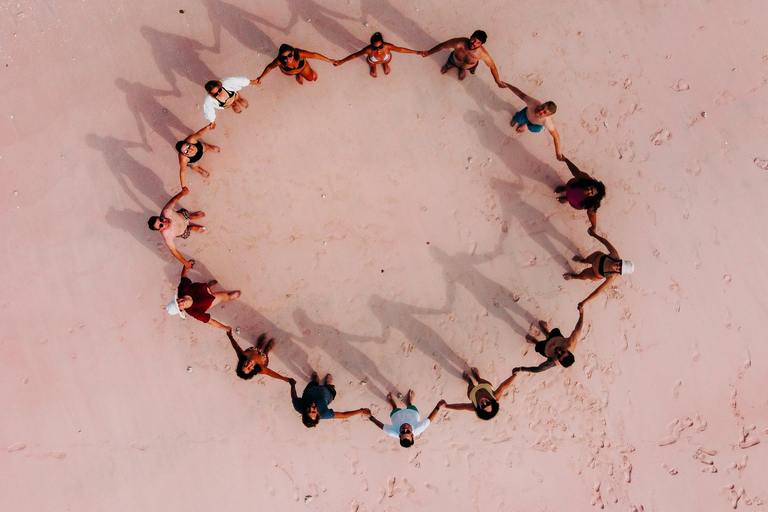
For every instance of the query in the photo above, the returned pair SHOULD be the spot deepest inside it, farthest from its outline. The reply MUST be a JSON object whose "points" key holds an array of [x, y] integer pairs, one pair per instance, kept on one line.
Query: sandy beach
{"points": [[393, 232]]}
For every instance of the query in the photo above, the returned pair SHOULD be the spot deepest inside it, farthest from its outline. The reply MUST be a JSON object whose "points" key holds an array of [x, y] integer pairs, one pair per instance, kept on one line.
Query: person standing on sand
{"points": [[406, 423], [602, 266], [196, 299], [466, 55], [175, 224], [190, 151], [314, 401], [254, 360], [224, 94], [378, 52], [556, 348], [536, 115], [293, 62], [582, 192], [483, 399]]}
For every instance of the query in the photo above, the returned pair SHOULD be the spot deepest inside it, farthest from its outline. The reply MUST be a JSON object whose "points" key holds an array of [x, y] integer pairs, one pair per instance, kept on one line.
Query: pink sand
{"points": [[386, 231]]}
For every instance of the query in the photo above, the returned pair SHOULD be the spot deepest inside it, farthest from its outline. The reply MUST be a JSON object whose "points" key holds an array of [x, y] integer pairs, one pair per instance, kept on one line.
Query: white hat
{"points": [[627, 267], [173, 307]]}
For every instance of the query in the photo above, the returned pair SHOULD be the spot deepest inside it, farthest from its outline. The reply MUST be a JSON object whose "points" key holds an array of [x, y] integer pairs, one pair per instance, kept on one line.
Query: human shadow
{"points": [[178, 55], [242, 25], [402, 317], [534, 221], [150, 112], [129, 173], [408, 30], [340, 346], [324, 22]]}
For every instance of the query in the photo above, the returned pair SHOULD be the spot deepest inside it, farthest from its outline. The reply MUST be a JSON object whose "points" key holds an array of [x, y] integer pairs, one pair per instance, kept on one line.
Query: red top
{"points": [[575, 195], [201, 298]]}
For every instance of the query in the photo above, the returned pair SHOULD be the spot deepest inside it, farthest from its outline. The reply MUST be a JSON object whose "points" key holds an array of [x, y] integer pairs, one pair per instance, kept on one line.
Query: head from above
{"points": [[186, 148], [564, 357], [377, 41], [406, 435], [626, 267], [156, 223], [311, 417], [477, 39], [593, 189], [545, 109], [214, 88], [486, 408], [287, 54], [246, 365]]}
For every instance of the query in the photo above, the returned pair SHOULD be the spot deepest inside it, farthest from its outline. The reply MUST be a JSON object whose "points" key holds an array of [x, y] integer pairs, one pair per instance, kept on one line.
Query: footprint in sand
{"points": [[761, 163], [681, 85], [660, 137], [626, 467], [16, 447], [597, 499], [670, 470], [56, 455]]}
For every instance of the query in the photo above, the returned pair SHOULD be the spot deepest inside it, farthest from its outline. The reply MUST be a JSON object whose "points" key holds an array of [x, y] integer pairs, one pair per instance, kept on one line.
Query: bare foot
{"points": [[578, 259], [314, 377], [329, 380], [299, 79], [391, 400], [237, 108], [215, 149], [520, 128], [386, 68], [476, 372], [244, 102], [562, 199], [410, 397], [373, 71], [196, 215], [205, 173], [234, 295], [212, 283], [445, 69], [568, 276], [544, 326], [462, 74], [530, 339]]}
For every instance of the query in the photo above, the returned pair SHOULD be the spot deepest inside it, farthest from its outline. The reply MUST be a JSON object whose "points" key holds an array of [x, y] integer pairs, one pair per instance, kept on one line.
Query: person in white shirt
{"points": [[406, 423], [223, 94]]}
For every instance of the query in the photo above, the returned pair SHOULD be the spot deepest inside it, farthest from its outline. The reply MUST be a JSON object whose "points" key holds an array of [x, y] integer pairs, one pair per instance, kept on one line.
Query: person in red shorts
{"points": [[195, 299]]}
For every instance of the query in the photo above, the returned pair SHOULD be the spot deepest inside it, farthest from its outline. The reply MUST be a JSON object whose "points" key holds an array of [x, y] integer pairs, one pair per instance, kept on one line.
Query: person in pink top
{"points": [[582, 192]]}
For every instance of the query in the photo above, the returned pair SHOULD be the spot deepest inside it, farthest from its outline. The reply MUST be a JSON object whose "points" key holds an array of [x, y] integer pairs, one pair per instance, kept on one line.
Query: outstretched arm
{"points": [[611, 249], [575, 170], [352, 56], [520, 94], [218, 324], [349, 414], [266, 371], [434, 412], [574, 337], [504, 385], [292, 382], [451, 43], [175, 199], [172, 247], [558, 150], [495, 72], [234, 343], [376, 422], [399, 49], [272, 65], [460, 407], [183, 160], [196, 136], [312, 55], [546, 365], [600, 289]]}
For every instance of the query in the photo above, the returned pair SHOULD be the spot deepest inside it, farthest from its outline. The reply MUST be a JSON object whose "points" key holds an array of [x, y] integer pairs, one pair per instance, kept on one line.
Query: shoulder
{"points": [[327, 415], [390, 430]]}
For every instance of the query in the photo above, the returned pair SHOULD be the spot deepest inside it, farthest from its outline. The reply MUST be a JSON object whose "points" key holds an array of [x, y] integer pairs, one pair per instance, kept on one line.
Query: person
{"points": [[484, 400], [378, 52], [466, 55], [314, 401], [254, 360], [602, 266], [293, 62], [195, 299], [224, 94], [175, 224], [556, 348], [191, 151], [583, 192], [406, 423], [536, 115]]}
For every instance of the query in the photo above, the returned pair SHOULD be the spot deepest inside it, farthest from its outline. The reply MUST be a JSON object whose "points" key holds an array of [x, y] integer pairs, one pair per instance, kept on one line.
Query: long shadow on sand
{"points": [[460, 269], [323, 20], [242, 25], [150, 112], [340, 346], [402, 317], [178, 55]]}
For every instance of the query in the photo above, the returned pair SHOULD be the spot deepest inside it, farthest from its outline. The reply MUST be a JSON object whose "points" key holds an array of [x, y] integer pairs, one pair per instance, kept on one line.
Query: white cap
{"points": [[627, 267]]}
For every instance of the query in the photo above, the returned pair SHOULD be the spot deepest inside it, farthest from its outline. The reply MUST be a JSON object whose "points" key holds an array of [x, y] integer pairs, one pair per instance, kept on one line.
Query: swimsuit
{"points": [[229, 96], [453, 63], [197, 156], [473, 393], [522, 118], [601, 266], [372, 60], [185, 213], [294, 71], [575, 195]]}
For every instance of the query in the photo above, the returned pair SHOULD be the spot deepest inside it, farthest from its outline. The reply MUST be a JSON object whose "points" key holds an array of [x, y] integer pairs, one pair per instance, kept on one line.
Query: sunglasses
{"points": [[378, 47], [186, 151], [216, 92], [284, 58]]}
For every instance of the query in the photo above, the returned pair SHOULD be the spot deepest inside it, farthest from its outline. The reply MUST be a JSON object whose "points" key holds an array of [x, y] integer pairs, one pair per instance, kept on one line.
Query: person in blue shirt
{"points": [[314, 402]]}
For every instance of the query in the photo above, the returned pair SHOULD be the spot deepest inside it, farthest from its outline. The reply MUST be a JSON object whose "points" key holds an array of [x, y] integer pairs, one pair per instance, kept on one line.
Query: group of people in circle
{"points": [[582, 192]]}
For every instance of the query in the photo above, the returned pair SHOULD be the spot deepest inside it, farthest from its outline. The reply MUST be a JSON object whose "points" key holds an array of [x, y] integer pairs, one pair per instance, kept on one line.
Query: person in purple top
{"points": [[582, 192], [314, 402]]}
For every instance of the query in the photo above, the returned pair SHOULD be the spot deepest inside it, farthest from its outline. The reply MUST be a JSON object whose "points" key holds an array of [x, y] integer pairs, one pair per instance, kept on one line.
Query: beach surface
{"points": [[393, 232]]}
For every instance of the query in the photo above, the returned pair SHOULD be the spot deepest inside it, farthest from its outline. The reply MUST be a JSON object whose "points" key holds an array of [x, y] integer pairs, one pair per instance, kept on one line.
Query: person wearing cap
{"points": [[602, 266], [556, 348], [190, 151], [195, 299], [406, 423]]}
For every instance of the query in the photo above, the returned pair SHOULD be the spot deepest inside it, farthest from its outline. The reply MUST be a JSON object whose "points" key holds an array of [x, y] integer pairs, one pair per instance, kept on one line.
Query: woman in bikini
{"points": [[191, 150], [582, 192], [254, 360], [602, 266], [378, 52], [293, 62], [484, 400]]}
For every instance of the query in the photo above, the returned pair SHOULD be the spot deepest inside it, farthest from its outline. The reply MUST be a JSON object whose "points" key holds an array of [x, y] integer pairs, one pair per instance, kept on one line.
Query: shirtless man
{"points": [[190, 151], [536, 115], [223, 94], [556, 348], [466, 55], [172, 224]]}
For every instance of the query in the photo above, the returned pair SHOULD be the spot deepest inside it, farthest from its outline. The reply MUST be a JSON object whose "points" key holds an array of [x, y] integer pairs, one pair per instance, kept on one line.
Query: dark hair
{"points": [[486, 415], [479, 34], [151, 222], [286, 48], [239, 370], [377, 37], [550, 106], [567, 360], [309, 422], [179, 144], [213, 83], [590, 203], [406, 443]]}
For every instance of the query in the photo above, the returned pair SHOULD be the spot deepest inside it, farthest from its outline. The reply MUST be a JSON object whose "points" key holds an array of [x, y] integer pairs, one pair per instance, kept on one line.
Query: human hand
{"points": [[365, 411], [291, 381], [581, 307], [184, 191], [560, 157], [189, 264], [424, 54], [441, 403], [212, 126]]}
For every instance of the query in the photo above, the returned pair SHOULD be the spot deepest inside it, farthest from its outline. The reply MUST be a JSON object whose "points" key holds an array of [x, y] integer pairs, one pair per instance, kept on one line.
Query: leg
{"points": [[236, 107], [200, 170], [308, 73], [544, 327], [373, 70], [562, 199], [585, 275], [386, 68], [409, 397], [196, 227], [241, 101], [260, 341], [560, 189], [520, 128], [315, 378], [268, 347], [211, 284], [462, 74], [391, 401], [448, 65], [531, 339], [224, 297], [209, 147], [196, 215], [471, 384], [590, 260], [328, 380]]}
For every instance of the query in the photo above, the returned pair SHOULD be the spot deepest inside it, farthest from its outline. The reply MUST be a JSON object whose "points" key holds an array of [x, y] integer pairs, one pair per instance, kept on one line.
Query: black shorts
{"points": [[541, 345]]}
